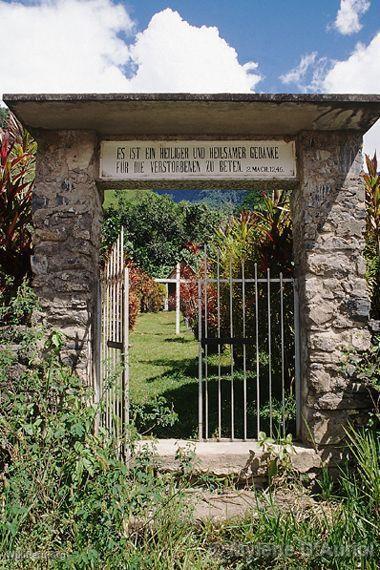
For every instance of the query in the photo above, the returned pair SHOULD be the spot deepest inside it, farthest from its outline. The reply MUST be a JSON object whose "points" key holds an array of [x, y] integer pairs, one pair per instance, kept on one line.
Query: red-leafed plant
{"points": [[145, 295], [150, 294], [17, 168], [262, 237], [190, 302], [372, 237]]}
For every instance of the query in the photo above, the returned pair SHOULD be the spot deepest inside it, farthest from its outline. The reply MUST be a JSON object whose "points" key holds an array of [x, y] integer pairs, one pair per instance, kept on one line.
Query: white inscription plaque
{"points": [[186, 160]]}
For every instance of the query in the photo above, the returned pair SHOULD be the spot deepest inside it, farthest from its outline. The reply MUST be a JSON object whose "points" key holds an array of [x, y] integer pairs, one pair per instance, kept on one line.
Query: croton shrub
{"points": [[17, 169]]}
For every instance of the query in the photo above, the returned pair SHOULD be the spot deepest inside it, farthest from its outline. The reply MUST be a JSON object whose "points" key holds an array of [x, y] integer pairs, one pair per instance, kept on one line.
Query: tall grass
{"points": [[66, 501]]}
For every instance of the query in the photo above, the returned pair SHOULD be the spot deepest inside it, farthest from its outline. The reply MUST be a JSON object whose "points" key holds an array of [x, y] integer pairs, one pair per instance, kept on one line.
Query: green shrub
{"points": [[18, 308], [65, 495]]}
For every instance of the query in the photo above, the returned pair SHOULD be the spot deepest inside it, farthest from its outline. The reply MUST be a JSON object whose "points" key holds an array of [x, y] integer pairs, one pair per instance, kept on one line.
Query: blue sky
{"points": [[79, 46], [275, 33]]}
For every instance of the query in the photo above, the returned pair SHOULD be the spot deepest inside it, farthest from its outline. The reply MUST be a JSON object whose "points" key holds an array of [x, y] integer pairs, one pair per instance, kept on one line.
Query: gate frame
{"points": [[328, 216]]}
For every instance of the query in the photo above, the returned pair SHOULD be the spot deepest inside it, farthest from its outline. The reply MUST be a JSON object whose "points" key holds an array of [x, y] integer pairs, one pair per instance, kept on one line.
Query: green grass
{"points": [[160, 360], [164, 364]]}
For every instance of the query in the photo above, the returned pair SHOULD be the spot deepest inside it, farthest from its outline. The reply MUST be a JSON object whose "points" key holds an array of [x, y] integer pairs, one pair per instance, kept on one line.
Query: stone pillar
{"points": [[66, 218], [329, 220]]}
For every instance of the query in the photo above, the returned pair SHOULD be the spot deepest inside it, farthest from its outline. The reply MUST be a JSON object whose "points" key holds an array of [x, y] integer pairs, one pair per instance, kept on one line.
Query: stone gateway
{"points": [[309, 143]]}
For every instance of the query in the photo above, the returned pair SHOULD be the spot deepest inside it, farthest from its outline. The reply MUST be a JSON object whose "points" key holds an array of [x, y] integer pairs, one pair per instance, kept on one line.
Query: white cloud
{"points": [[347, 20], [298, 73], [88, 46], [63, 46], [307, 74], [360, 73], [172, 55]]}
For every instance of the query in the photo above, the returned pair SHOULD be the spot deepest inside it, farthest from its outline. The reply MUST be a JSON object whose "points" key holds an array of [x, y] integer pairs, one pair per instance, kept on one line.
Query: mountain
{"points": [[215, 198], [224, 199]]}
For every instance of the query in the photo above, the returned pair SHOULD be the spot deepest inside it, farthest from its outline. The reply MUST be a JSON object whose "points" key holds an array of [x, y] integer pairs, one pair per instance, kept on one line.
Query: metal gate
{"points": [[114, 358], [249, 349], [251, 332]]}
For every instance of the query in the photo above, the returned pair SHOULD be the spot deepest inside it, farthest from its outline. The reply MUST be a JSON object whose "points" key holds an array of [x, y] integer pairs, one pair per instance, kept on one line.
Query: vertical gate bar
{"points": [[121, 335], [257, 354], [125, 380], [112, 350], [282, 354], [297, 356], [219, 348], [269, 355], [178, 299], [105, 332], [200, 364], [107, 364], [108, 360], [116, 352], [126, 344], [109, 348], [121, 358], [232, 357], [113, 339], [98, 354], [206, 346], [244, 352], [103, 298], [118, 292]]}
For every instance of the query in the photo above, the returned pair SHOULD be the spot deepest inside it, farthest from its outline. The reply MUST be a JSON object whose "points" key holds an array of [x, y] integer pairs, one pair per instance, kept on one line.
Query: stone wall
{"points": [[329, 219], [66, 217]]}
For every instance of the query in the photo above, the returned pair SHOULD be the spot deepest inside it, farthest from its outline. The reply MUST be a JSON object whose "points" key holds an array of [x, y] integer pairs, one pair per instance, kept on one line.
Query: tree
{"points": [[158, 230]]}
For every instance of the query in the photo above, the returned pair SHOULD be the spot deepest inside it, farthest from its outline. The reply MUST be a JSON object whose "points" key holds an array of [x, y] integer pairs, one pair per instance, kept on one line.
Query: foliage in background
{"points": [[17, 167], [252, 200], [157, 230], [4, 114], [229, 201], [145, 295], [149, 293], [372, 249], [262, 236]]}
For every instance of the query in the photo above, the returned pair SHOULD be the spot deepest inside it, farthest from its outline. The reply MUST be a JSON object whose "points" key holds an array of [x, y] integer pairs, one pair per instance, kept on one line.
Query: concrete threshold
{"points": [[242, 459]]}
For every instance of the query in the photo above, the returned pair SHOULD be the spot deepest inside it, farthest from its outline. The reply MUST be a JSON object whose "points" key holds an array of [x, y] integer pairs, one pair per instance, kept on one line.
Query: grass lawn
{"points": [[164, 364]]}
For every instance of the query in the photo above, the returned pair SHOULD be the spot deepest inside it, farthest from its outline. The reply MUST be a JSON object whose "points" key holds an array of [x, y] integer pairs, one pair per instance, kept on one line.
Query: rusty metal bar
{"points": [[269, 354], [206, 348], [219, 348], [257, 354], [244, 354]]}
